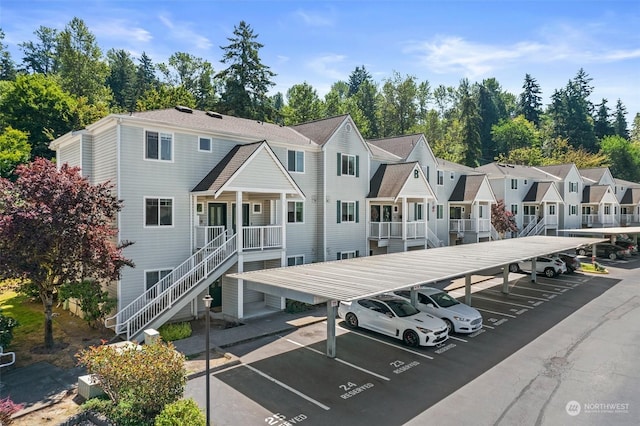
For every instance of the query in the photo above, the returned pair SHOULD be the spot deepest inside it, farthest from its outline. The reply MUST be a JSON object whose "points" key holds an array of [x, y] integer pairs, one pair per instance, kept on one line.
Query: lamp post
{"points": [[207, 303]]}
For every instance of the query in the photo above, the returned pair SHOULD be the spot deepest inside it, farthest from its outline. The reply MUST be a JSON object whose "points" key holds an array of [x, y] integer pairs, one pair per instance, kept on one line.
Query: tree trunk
{"points": [[48, 321]]}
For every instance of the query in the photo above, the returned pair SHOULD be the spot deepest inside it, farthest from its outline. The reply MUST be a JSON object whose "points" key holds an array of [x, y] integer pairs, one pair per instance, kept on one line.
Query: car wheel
{"points": [[550, 272], [612, 255], [514, 267], [582, 252], [410, 338], [352, 320], [449, 325]]}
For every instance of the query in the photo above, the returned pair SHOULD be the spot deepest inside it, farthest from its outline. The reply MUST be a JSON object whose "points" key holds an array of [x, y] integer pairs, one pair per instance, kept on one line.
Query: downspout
{"points": [[324, 206], [119, 194]]}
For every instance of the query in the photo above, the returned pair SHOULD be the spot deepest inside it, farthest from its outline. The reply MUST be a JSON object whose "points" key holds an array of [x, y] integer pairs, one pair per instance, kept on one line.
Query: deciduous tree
{"points": [[14, 150], [56, 228], [502, 219]]}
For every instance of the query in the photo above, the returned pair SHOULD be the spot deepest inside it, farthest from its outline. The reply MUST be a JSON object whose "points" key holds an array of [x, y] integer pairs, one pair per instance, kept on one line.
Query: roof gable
{"points": [[320, 131], [472, 188], [596, 194], [399, 180], [234, 172], [631, 196], [543, 192]]}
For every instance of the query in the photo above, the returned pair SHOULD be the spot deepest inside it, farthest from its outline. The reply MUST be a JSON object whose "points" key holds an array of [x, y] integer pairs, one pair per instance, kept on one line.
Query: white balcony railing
{"points": [[206, 234], [469, 225], [387, 230], [629, 218], [261, 237]]}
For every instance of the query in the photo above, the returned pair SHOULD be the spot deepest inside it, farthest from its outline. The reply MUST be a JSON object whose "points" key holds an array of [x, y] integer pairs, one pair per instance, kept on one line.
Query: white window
{"points": [[418, 211], [514, 209], [348, 167], [347, 254], [607, 209], [514, 183], [295, 260], [440, 211], [199, 208], [348, 212], [204, 144], [257, 208], [295, 161], [440, 177], [158, 146], [295, 212], [552, 209], [151, 278], [158, 211], [573, 210], [573, 186]]}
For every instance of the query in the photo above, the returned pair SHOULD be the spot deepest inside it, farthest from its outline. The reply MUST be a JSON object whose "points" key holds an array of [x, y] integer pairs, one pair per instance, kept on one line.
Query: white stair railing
{"points": [[433, 239], [173, 284], [540, 227], [527, 229], [495, 235]]}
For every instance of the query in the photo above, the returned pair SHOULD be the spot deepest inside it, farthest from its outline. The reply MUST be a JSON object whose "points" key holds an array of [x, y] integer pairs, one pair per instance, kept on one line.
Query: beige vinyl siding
{"points": [[70, 154], [415, 187], [269, 177]]}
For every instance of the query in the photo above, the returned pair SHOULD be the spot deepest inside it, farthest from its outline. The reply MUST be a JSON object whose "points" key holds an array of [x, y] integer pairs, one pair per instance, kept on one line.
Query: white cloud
{"points": [[119, 29], [326, 66], [183, 32], [314, 19]]}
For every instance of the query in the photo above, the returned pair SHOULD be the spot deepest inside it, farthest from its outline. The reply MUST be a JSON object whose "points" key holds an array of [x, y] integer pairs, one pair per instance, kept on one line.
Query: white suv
{"points": [[549, 266]]}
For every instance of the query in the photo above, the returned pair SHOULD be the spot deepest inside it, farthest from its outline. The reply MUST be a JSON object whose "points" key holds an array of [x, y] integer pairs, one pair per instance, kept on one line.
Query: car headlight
{"points": [[424, 330], [457, 318]]}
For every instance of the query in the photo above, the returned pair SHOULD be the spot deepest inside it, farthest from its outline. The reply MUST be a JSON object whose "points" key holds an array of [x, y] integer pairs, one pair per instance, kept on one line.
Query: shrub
{"points": [[95, 303], [7, 324], [176, 331], [293, 306], [181, 412], [137, 379], [7, 409]]}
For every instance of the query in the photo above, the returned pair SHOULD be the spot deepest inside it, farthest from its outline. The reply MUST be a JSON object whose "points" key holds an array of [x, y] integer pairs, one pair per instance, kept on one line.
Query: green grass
{"points": [[29, 315], [593, 268]]}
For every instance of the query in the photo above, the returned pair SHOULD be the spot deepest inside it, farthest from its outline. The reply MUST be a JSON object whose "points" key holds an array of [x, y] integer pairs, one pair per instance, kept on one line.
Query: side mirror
{"points": [[430, 305], [389, 314]]}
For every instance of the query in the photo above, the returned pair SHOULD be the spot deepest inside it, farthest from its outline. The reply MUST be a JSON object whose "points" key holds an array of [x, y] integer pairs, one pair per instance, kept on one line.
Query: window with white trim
{"points": [[295, 260], [552, 209], [152, 278], [440, 211], [607, 209], [348, 254], [158, 146], [348, 165], [440, 178], [295, 212], [573, 210], [573, 186], [514, 183], [418, 211], [514, 209], [158, 211], [295, 161], [204, 144], [348, 212]]}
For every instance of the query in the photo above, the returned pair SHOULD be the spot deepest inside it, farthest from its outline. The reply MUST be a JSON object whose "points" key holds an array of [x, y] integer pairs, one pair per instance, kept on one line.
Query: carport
{"points": [[348, 280], [612, 233]]}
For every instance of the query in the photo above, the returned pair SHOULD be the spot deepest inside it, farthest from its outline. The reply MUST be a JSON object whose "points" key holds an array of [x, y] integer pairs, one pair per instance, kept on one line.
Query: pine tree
{"points": [[122, 79], [602, 127], [530, 101], [247, 80], [40, 57], [620, 122]]}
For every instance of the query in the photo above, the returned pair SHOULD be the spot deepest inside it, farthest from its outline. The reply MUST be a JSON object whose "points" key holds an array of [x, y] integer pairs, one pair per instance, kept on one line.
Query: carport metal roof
{"points": [[367, 276], [604, 231]]}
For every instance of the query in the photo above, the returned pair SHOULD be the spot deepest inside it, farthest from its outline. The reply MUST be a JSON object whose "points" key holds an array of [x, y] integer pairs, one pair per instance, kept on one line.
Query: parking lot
{"points": [[285, 380]]}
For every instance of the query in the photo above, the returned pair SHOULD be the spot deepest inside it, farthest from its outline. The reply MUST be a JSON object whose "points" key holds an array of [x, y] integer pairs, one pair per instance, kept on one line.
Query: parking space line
{"points": [[340, 360], [287, 387], [557, 293], [457, 338], [497, 313], [386, 343], [488, 326], [555, 285], [503, 302], [520, 295]]}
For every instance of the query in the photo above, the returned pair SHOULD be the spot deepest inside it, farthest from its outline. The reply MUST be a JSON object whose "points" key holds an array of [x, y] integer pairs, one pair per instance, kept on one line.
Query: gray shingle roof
{"points": [[227, 167], [227, 125], [455, 167], [594, 174], [631, 196], [537, 192], [495, 169], [399, 145], [592, 194], [467, 188], [559, 170], [380, 154], [320, 131], [389, 180]]}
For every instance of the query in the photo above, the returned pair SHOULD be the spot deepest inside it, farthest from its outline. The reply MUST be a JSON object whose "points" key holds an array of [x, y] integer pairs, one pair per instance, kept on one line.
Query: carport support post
{"points": [[533, 270], [467, 289], [505, 279], [331, 328]]}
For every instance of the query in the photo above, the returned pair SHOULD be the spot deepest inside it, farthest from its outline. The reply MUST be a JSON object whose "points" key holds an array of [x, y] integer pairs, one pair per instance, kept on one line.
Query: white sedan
{"points": [[459, 317], [395, 317], [550, 267]]}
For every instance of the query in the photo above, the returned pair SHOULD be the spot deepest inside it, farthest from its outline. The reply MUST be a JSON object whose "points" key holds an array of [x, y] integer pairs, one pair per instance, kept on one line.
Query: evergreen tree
{"points": [[602, 127], [40, 57], [620, 122], [470, 124], [530, 100], [303, 104], [7, 66], [145, 76], [366, 99], [336, 99], [122, 79], [492, 110], [635, 129], [194, 74], [356, 78], [81, 68], [247, 80]]}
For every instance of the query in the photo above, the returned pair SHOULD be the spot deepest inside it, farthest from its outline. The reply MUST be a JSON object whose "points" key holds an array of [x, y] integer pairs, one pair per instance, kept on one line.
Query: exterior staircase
{"points": [[527, 229], [176, 290], [432, 240]]}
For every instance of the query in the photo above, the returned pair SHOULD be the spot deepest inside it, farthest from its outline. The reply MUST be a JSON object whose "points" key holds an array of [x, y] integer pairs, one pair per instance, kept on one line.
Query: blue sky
{"points": [[321, 42]]}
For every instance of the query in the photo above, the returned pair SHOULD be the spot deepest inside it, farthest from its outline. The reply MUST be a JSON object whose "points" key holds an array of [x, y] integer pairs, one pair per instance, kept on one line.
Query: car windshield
{"points": [[444, 300], [402, 308]]}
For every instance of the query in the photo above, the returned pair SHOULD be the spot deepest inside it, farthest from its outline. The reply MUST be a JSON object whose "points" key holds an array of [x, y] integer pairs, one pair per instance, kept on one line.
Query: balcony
{"points": [[253, 237], [388, 230], [469, 225]]}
